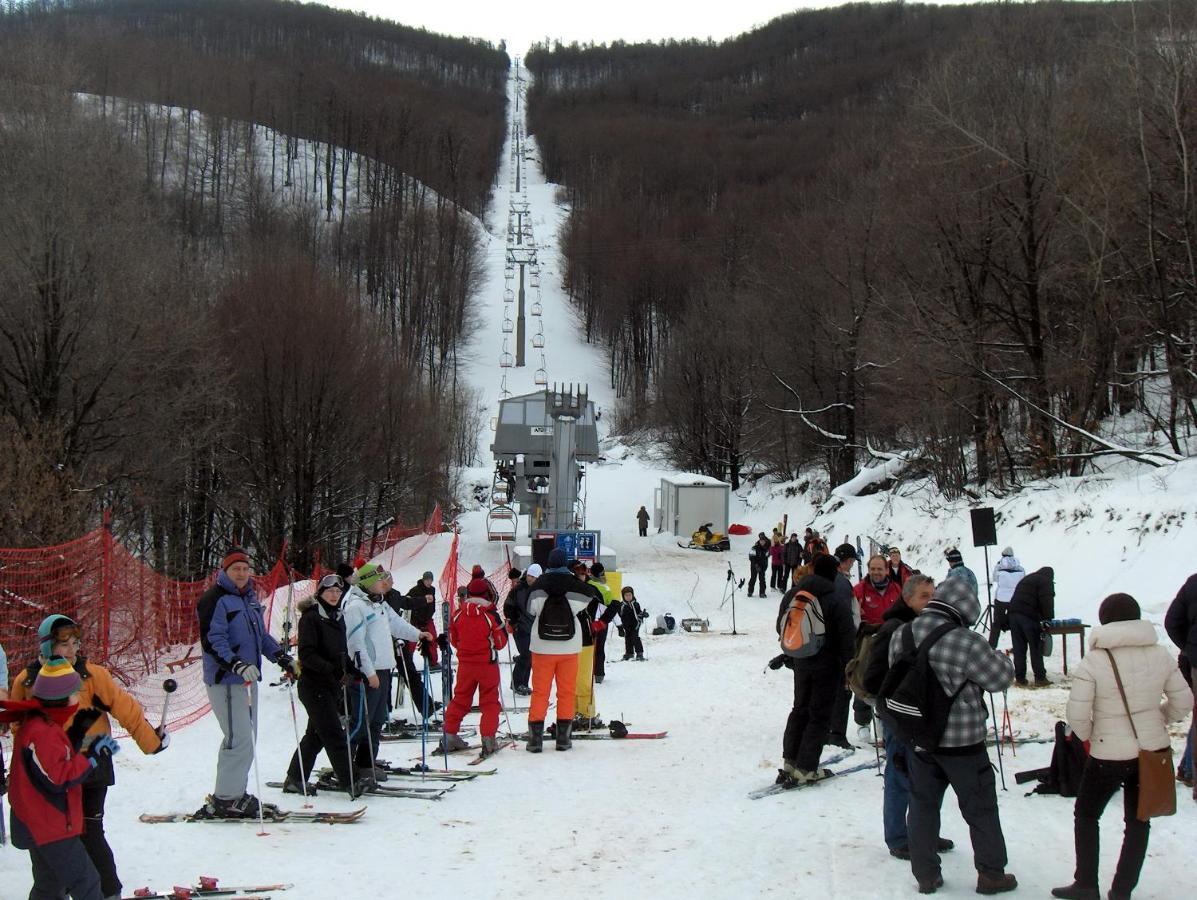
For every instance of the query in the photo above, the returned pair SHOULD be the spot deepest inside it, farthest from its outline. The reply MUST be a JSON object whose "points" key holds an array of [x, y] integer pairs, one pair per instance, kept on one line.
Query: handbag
{"points": [[1157, 784], [1045, 641]]}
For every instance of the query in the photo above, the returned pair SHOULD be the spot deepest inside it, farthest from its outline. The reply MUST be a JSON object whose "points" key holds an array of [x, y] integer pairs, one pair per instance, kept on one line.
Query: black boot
{"points": [[535, 737], [564, 728]]}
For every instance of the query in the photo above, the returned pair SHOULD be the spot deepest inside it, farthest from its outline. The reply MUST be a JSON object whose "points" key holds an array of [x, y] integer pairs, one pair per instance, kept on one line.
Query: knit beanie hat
{"points": [[557, 558], [534, 571], [1118, 608], [369, 575], [235, 555], [477, 571], [1008, 551], [826, 566], [46, 632], [597, 569], [954, 557], [56, 681], [478, 587]]}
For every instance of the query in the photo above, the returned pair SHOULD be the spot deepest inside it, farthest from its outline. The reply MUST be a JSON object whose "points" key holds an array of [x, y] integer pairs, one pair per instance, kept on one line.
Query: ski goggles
{"points": [[330, 581]]}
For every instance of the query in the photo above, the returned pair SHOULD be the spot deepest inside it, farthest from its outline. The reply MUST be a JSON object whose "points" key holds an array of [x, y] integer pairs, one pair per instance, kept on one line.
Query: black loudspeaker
{"points": [[984, 527]]}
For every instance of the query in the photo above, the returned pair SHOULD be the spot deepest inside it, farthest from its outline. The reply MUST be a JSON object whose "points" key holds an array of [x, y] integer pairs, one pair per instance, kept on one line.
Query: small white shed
{"points": [[686, 502]]}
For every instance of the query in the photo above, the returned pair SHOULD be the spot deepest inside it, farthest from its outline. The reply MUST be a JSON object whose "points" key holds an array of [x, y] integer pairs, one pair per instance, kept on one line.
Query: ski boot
{"points": [[363, 783], [490, 746], [451, 742], [639, 657], [293, 785], [535, 737], [564, 729], [626, 657]]}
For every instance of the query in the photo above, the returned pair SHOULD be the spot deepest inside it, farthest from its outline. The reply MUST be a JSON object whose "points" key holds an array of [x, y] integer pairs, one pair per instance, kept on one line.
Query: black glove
{"points": [[442, 641], [777, 662], [81, 724]]}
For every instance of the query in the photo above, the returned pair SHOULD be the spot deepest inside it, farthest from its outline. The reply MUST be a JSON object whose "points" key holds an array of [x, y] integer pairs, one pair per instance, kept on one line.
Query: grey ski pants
{"points": [[231, 703]]}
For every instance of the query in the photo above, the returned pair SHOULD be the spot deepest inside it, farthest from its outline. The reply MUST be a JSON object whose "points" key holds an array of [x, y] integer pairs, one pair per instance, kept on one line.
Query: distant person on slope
{"points": [[1131, 672], [1006, 575], [758, 563], [630, 616], [792, 558], [1033, 602], [234, 638], [100, 697], [777, 564], [558, 604], [957, 569], [477, 635], [818, 678], [642, 521]]}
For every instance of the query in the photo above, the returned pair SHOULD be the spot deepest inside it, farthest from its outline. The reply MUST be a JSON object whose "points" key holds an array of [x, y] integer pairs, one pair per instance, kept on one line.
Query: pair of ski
{"points": [[409, 733], [828, 775], [386, 790], [208, 888], [269, 814], [476, 748]]}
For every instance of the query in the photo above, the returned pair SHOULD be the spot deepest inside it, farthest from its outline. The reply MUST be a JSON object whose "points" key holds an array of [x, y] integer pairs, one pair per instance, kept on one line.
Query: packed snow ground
{"points": [[671, 818]]}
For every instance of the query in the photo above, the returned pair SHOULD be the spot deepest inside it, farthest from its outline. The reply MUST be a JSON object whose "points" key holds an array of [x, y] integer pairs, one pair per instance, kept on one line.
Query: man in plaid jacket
{"points": [[967, 667]]}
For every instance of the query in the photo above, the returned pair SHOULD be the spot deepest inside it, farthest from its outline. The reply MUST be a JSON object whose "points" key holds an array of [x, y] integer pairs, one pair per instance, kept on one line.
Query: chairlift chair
{"points": [[508, 325], [506, 360], [508, 296], [536, 308], [542, 377]]}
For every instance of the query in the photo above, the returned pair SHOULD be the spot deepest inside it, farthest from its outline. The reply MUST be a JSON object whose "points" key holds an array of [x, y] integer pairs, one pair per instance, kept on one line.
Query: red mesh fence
{"points": [[138, 623]]}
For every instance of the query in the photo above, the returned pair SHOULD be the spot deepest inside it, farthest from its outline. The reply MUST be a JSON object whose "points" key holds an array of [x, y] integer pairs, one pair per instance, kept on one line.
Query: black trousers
{"points": [[632, 645], [61, 868], [806, 727], [1025, 635], [1102, 777], [521, 669], [94, 840], [600, 654], [757, 573], [838, 724], [644, 529], [1000, 622], [970, 776], [324, 732]]}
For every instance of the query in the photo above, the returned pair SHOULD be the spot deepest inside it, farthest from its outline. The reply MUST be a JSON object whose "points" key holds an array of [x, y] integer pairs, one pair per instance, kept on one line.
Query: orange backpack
{"points": [[803, 631]]}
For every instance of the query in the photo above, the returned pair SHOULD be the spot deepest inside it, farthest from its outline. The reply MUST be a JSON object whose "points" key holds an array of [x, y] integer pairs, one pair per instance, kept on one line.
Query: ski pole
{"points": [[424, 727], [997, 740], [303, 772], [253, 742], [170, 686], [352, 786], [876, 743]]}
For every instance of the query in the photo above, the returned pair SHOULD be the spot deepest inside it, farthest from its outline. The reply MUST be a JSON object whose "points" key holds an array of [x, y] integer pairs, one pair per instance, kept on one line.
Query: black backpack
{"points": [[1063, 776], [912, 701], [556, 621]]}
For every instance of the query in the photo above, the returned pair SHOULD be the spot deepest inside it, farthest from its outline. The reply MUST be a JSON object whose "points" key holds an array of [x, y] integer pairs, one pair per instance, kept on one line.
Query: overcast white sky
{"points": [[522, 22]]}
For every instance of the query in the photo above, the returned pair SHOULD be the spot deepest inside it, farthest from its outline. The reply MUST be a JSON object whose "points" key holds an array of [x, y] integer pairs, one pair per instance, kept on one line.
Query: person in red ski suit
{"points": [[877, 592], [477, 634]]}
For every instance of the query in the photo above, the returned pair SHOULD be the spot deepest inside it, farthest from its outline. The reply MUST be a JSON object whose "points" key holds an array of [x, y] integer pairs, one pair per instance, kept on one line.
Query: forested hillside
{"points": [[236, 260], [964, 236]]}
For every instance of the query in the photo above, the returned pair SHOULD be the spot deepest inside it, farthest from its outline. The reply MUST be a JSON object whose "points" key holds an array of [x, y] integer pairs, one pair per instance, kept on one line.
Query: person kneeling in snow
{"points": [[477, 634], [46, 790]]}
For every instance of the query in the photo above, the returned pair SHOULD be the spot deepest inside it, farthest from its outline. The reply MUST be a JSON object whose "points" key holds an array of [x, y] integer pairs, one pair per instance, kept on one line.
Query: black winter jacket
{"points": [[891, 620], [1035, 596], [420, 601], [793, 553], [323, 655], [1181, 620], [515, 608], [630, 614], [758, 556], [840, 645]]}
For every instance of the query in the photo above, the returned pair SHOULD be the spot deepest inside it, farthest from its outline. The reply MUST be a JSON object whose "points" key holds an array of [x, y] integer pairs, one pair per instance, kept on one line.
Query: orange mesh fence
{"points": [[136, 622]]}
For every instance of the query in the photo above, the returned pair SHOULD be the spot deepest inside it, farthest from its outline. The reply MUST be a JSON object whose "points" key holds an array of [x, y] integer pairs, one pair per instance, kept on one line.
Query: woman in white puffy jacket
{"points": [[1157, 694]]}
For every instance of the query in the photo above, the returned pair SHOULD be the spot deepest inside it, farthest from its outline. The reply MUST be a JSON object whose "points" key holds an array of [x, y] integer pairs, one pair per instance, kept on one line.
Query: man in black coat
{"points": [[792, 558], [420, 606], [817, 679], [758, 563], [845, 556], [519, 623], [1033, 602], [1181, 620]]}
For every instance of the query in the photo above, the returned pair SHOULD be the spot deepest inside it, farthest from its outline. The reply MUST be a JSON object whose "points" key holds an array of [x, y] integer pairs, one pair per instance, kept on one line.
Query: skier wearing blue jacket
{"points": [[234, 639]]}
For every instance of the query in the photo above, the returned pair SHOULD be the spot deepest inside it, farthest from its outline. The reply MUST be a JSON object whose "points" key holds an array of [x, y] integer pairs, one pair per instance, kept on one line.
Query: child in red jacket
{"points": [[477, 634], [46, 786]]}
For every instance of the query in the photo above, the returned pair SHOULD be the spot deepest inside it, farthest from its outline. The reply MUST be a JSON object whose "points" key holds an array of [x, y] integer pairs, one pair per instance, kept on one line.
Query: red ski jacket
{"points": [[477, 632], [873, 605], [45, 789]]}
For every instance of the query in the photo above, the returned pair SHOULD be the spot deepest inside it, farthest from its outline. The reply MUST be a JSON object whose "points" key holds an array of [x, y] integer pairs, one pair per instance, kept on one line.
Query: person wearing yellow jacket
{"points": [[99, 697]]}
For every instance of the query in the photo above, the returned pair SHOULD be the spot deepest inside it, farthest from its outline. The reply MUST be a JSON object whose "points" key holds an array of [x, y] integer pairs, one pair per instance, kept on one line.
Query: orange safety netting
{"points": [[136, 622]]}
